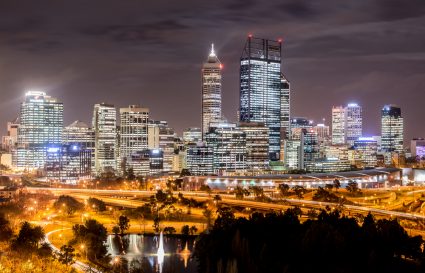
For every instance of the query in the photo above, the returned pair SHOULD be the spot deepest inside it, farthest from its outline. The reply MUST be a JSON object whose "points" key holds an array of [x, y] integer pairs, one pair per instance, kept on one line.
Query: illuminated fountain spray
{"points": [[160, 252], [185, 253]]}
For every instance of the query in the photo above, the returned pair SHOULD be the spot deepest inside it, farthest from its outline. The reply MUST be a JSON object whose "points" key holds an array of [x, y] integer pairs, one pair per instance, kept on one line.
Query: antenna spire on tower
{"points": [[212, 53]]}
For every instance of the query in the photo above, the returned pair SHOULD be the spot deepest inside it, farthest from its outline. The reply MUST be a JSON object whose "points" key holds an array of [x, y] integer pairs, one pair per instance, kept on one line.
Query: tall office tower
{"points": [[211, 91], [311, 147], [392, 129], [41, 127], [257, 145], [294, 154], [105, 130], [229, 147], [285, 107], [161, 136], [133, 135], [10, 141], [81, 137], [338, 125], [353, 123], [192, 135], [260, 88]]}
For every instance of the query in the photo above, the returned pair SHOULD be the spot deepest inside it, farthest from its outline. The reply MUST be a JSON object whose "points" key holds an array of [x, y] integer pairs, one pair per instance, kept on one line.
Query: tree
{"points": [[68, 204], [257, 191], [123, 223], [115, 230], [225, 218], [185, 172], [93, 234], [216, 199], [66, 255], [6, 231], [329, 186], [241, 192], [96, 204], [130, 174], [299, 191], [193, 230], [208, 215], [169, 230], [185, 230], [284, 189], [28, 238], [352, 187], [336, 184], [156, 223]]}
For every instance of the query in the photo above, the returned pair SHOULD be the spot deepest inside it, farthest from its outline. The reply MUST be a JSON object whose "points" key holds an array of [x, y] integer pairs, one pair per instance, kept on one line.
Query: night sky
{"points": [[150, 53]]}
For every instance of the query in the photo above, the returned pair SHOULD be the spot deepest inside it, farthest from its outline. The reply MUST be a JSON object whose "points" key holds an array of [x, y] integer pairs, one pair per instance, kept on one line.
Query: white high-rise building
{"points": [[353, 123], [40, 129], [162, 137], [338, 125], [105, 129], [211, 91], [347, 124], [133, 134]]}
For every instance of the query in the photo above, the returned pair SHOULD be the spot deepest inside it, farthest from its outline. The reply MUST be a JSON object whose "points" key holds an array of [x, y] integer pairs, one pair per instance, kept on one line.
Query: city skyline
{"points": [[128, 65]]}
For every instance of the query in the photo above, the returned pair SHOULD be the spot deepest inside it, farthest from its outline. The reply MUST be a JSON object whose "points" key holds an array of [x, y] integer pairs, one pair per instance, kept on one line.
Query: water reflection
{"points": [[159, 254]]}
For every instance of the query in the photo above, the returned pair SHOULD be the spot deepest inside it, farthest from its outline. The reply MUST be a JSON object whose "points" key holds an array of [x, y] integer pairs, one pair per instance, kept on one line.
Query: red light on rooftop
{"points": [[250, 35], [221, 66], [280, 40]]}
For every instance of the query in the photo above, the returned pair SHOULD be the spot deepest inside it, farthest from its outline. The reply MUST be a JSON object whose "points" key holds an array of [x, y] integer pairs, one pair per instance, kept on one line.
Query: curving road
{"points": [[77, 265]]}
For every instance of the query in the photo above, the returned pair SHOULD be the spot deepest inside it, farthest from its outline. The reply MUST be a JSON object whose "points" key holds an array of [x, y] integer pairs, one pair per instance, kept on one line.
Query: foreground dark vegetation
{"points": [[279, 242]]}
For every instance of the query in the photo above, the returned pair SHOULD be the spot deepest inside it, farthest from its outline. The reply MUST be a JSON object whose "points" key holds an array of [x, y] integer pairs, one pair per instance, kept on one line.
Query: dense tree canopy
{"points": [[278, 242]]}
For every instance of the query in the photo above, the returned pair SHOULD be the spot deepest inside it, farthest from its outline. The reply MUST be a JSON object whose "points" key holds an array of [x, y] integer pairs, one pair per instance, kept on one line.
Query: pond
{"points": [[150, 253]]}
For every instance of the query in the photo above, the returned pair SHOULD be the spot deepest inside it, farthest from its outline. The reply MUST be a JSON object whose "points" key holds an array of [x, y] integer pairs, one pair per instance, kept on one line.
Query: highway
{"points": [[120, 198]]}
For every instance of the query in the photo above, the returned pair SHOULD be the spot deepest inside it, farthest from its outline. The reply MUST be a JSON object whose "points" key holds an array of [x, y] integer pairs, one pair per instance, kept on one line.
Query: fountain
{"points": [[160, 252], [185, 253]]}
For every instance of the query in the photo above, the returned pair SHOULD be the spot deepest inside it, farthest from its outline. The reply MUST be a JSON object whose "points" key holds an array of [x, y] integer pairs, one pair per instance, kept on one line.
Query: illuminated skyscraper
{"points": [[338, 125], [392, 126], [41, 127], [105, 129], [211, 91], [162, 137], [229, 147], [285, 107], [260, 88], [133, 135], [353, 123]]}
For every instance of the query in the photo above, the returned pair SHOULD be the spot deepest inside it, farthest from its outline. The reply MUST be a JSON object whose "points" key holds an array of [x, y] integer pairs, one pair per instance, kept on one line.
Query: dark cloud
{"points": [[147, 33], [150, 52]]}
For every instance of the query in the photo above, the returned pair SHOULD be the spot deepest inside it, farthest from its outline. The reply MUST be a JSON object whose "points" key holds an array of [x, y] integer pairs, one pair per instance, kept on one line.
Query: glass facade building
{"points": [[353, 123], [133, 134], [392, 127], [105, 129], [41, 126], [257, 145], [338, 125], [260, 88], [228, 143], [211, 91]]}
